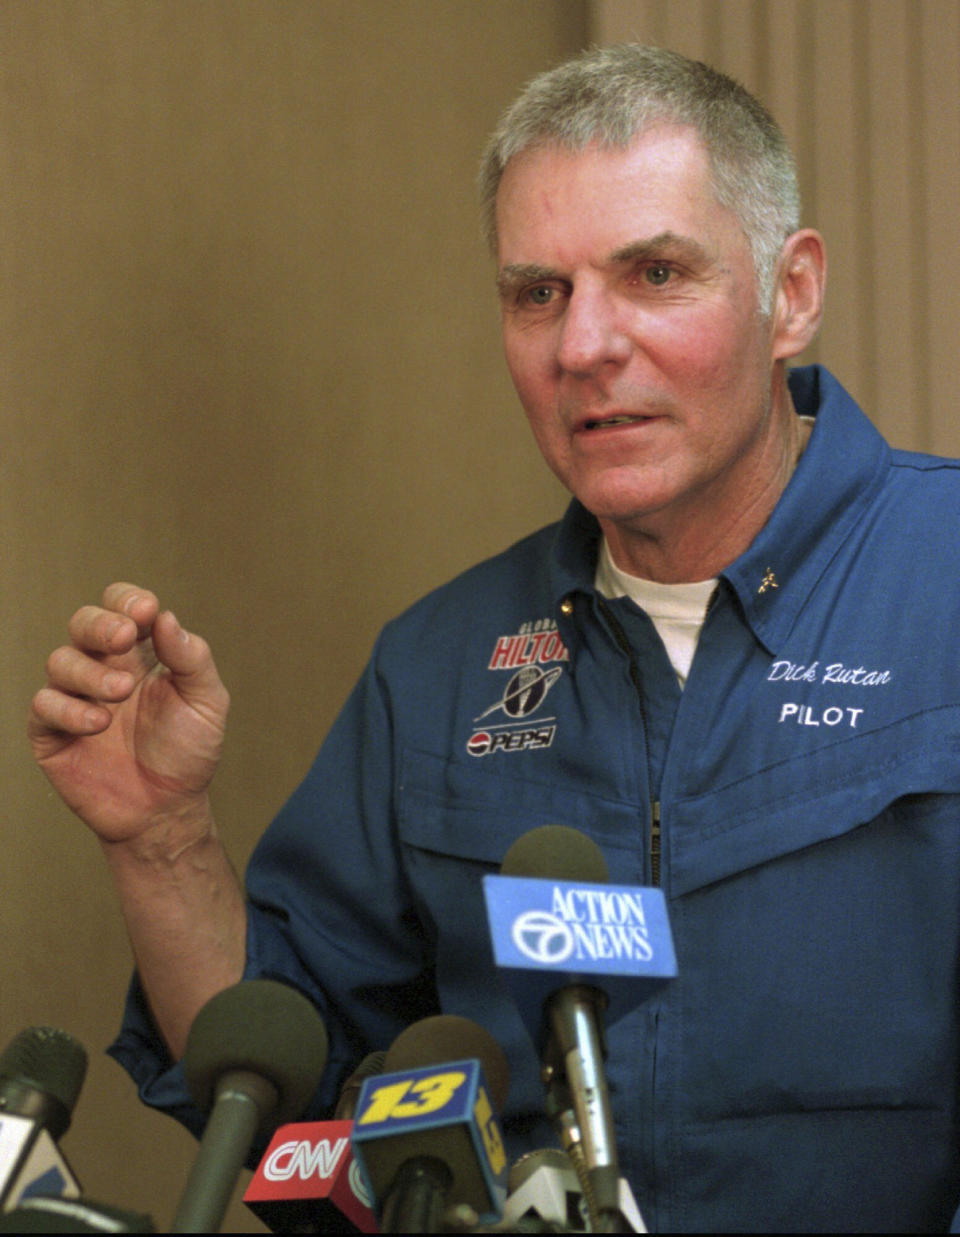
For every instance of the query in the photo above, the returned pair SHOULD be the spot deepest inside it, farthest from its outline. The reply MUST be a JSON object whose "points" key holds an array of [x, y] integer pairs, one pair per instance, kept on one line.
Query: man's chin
{"points": [[629, 505]]}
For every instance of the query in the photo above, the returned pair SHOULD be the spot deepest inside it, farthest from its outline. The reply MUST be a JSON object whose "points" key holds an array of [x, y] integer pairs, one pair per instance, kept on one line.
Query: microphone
{"points": [[546, 1195], [543, 1189], [426, 1134], [371, 1065], [308, 1180], [254, 1057], [73, 1215], [572, 947], [41, 1073]]}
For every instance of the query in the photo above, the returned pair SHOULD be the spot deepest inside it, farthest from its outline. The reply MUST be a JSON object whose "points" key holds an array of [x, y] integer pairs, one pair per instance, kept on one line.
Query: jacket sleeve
{"points": [[330, 912]]}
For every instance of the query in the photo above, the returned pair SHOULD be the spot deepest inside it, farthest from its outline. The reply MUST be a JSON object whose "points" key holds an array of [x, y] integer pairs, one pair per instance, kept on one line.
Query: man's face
{"points": [[633, 331]]}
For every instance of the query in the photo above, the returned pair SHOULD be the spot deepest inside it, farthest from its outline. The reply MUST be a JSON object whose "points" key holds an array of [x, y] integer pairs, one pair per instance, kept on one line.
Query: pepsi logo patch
{"points": [[529, 654]]}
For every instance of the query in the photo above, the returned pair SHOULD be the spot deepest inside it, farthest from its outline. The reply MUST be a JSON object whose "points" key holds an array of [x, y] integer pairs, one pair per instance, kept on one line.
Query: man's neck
{"points": [[671, 549]]}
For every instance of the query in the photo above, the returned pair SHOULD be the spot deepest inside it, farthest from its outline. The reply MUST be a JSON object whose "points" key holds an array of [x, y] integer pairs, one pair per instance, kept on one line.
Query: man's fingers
{"points": [[119, 627], [54, 712], [189, 660], [102, 631], [137, 603], [114, 646], [69, 670], [126, 615]]}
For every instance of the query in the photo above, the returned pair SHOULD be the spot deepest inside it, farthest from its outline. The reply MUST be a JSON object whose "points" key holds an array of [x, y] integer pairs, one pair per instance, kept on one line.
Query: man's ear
{"points": [[798, 302]]}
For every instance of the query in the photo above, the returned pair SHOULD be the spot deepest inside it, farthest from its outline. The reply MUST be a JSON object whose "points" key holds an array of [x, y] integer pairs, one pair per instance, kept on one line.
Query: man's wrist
{"points": [[167, 840]]}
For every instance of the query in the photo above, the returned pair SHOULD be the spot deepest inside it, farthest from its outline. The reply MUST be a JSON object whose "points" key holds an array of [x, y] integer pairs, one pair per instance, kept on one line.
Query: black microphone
{"points": [[426, 1133], [41, 1073], [371, 1065], [254, 1057]]}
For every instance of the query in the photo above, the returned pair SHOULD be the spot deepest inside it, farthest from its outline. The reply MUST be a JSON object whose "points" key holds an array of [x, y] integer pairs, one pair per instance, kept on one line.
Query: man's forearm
{"points": [[185, 914]]}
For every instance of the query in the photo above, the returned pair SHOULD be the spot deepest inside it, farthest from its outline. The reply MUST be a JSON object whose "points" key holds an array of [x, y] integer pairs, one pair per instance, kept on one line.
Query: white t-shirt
{"points": [[676, 610]]}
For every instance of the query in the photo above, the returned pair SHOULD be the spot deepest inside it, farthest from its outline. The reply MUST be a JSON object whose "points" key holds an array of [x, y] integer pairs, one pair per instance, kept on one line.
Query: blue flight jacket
{"points": [[801, 1072]]}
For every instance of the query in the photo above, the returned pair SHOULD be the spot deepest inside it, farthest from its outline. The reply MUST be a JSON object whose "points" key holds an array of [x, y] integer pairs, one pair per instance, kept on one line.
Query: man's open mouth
{"points": [[603, 422]]}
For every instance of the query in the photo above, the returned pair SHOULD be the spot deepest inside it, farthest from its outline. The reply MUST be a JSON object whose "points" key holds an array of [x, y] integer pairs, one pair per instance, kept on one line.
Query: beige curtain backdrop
{"points": [[249, 357], [868, 92]]}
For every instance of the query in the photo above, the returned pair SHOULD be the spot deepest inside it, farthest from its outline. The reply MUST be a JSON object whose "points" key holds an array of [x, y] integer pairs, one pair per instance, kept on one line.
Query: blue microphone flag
{"points": [[442, 1110], [549, 934]]}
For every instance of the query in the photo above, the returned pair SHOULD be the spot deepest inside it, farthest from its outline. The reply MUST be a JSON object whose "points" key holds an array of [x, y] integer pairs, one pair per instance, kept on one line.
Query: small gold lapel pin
{"points": [[769, 581]]}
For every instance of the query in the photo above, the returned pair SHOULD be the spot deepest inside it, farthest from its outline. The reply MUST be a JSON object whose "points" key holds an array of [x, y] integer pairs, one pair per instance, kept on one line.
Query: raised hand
{"points": [[130, 725]]}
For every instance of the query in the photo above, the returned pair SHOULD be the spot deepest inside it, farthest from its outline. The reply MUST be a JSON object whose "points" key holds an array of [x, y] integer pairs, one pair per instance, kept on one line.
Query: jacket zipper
{"points": [[620, 636], [655, 842], [621, 639]]}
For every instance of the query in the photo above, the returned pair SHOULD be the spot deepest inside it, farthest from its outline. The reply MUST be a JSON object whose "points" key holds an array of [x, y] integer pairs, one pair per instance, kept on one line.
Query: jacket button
{"points": [[566, 606]]}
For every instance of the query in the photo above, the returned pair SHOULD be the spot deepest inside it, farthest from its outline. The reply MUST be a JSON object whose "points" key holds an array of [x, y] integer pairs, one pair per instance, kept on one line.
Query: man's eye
{"points": [[658, 274], [539, 296]]}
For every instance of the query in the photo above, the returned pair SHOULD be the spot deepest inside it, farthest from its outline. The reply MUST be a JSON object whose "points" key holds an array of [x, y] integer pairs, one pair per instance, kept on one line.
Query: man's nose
{"points": [[591, 334]]}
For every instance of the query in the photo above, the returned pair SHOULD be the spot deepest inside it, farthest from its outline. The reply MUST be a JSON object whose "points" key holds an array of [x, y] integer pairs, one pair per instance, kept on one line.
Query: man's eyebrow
{"points": [[516, 274], [663, 245]]}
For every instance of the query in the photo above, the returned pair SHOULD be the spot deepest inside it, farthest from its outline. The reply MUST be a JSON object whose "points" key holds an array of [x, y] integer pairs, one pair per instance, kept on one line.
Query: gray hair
{"points": [[611, 95]]}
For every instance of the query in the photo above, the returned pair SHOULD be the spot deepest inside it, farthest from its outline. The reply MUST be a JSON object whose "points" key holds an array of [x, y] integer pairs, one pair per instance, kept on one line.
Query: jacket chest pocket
{"points": [[814, 797]]}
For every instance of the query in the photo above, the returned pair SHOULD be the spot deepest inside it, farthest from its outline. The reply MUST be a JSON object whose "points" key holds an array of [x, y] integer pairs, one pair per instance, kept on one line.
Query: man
{"points": [[792, 786]]}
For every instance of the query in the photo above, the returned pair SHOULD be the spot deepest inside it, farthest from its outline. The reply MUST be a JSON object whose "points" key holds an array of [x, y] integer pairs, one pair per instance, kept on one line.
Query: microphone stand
{"points": [[242, 1099], [578, 1100]]}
